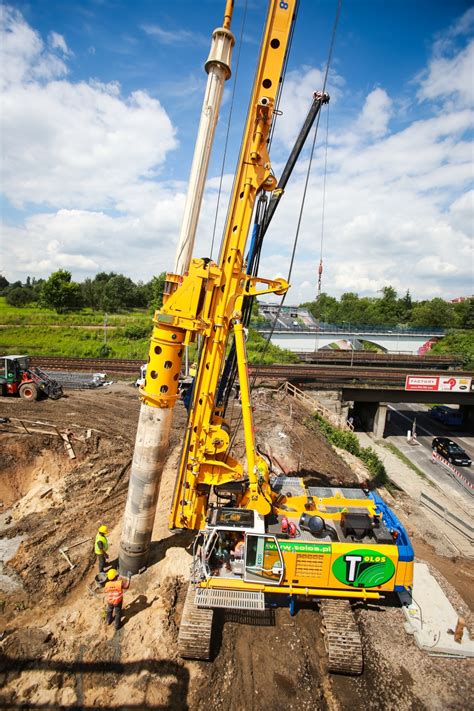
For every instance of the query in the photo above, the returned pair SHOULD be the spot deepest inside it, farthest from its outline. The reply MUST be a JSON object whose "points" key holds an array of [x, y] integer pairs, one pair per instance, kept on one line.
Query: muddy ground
{"points": [[57, 652]]}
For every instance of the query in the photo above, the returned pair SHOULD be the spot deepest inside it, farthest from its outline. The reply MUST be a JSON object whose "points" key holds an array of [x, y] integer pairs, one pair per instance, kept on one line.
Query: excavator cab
{"points": [[12, 367]]}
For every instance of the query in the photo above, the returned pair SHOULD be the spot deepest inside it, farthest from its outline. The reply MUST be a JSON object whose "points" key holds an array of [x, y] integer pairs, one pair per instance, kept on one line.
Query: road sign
{"points": [[438, 383]]}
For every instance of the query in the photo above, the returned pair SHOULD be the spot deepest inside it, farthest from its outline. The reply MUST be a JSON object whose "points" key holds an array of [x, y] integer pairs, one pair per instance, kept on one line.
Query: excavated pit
{"points": [[57, 652], [32, 468]]}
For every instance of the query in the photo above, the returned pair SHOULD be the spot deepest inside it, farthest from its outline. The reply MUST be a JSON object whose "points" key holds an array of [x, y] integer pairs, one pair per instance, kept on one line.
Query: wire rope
{"points": [[303, 200], [267, 342]]}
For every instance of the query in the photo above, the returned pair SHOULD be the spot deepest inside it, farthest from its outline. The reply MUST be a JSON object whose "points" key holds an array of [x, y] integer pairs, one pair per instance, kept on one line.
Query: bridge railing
{"points": [[309, 401], [351, 328]]}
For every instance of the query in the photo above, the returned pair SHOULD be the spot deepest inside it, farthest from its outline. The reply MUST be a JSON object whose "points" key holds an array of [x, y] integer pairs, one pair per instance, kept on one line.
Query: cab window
{"points": [[263, 560]]}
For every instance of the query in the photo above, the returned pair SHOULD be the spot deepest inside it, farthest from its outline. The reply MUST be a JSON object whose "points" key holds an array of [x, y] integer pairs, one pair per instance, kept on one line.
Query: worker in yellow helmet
{"points": [[101, 547], [114, 588]]}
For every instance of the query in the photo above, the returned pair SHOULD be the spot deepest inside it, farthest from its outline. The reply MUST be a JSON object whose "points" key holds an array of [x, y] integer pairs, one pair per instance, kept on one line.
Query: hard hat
{"points": [[112, 574], [102, 529]]}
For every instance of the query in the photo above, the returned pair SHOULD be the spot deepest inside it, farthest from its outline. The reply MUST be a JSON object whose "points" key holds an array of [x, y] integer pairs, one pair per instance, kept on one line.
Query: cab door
{"points": [[263, 560]]}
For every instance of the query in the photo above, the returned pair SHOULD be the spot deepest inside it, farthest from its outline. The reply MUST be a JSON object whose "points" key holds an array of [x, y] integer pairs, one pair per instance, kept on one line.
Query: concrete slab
{"points": [[429, 615]]}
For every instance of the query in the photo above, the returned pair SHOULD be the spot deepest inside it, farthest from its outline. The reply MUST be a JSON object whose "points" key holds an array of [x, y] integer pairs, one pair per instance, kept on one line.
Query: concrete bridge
{"points": [[413, 341]]}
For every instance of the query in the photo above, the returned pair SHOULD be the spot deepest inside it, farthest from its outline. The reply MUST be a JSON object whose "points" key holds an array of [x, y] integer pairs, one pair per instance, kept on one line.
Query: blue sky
{"points": [[100, 105]]}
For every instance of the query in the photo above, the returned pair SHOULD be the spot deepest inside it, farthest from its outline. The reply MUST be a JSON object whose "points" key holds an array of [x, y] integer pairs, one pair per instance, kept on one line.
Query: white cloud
{"points": [[449, 72], [23, 56], [375, 113], [72, 144], [92, 162], [448, 76], [462, 213], [174, 37], [88, 242], [57, 41]]}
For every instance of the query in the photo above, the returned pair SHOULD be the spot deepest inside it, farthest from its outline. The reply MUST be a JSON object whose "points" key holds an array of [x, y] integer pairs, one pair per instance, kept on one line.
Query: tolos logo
{"points": [[363, 568]]}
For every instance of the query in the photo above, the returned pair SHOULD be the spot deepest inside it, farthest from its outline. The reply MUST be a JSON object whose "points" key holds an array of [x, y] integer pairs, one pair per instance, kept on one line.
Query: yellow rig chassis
{"points": [[341, 543]]}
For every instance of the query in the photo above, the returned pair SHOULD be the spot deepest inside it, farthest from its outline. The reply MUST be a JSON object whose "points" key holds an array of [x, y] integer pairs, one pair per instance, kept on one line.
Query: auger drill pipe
{"points": [[160, 391], [218, 70]]}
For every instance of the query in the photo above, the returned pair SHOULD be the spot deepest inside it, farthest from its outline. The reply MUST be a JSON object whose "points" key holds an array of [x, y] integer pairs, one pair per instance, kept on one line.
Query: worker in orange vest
{"points": [[114, 588]]}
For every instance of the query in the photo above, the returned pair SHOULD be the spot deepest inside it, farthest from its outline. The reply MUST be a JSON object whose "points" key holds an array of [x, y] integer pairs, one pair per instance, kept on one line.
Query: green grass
{"points": [[349, 441], [42, 332], [70, 342], [36, 315]]}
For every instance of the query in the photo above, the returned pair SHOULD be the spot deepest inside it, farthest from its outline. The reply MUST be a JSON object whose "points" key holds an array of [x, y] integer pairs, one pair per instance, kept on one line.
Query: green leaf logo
{"points": [[363, 568]]}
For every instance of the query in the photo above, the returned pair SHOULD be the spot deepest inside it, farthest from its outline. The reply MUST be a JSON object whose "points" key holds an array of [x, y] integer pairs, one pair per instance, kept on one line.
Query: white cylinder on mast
{"points": [[154, 424], [218, 69]]}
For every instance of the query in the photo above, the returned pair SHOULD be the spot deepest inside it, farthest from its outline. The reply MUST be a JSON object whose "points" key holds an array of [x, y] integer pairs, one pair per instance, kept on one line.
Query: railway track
{"points": [[297, 373], [89, 365], [400, 360]]}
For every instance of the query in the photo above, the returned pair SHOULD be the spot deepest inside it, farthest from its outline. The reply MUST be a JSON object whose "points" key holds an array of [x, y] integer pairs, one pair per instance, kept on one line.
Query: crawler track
{"points": [[341, 637], [195, 630]]}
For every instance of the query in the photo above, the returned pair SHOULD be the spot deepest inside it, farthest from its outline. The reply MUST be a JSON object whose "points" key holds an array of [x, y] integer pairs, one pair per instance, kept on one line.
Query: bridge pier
{"points": [[468, 417], [380, 419], [333, 400], [373, 416]]}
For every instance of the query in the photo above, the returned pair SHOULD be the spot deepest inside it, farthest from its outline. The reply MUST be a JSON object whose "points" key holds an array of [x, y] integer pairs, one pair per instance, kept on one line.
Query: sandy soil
{"points": [[57, 652]]}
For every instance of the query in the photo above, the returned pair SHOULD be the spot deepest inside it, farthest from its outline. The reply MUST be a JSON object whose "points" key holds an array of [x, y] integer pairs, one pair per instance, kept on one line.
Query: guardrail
{"points": [[453, 472], [454, 521], [353, 328]]}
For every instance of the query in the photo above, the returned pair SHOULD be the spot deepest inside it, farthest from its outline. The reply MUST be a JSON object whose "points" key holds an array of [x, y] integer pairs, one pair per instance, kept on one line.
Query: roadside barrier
{"points": [[456, 522], [453, 472]]}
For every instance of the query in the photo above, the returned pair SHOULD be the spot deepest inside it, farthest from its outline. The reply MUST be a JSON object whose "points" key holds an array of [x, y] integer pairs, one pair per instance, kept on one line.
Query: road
{"points": [[400, 418]]}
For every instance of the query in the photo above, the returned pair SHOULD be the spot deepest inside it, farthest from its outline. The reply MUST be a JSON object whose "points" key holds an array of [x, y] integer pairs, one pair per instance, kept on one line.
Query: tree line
{"points": [[112, 293], [391, 310], [107, 292]]}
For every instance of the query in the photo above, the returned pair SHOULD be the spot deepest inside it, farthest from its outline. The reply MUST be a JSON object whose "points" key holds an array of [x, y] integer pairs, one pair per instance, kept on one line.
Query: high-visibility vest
{"points": [[101, 537], [114, 591]]}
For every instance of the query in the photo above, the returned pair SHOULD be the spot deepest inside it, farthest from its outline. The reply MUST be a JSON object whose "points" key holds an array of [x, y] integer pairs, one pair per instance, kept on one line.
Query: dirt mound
{"points": [[55, 648]]}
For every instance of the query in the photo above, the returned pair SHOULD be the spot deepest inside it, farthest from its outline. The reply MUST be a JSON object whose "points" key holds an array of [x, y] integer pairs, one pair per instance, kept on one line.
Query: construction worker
{"points": [[114, 588], [101, 547], [239, 548]]}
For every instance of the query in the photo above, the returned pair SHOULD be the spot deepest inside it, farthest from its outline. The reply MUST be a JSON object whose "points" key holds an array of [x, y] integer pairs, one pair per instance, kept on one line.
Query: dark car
{"points": [[451, 451], [447, 415]]}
